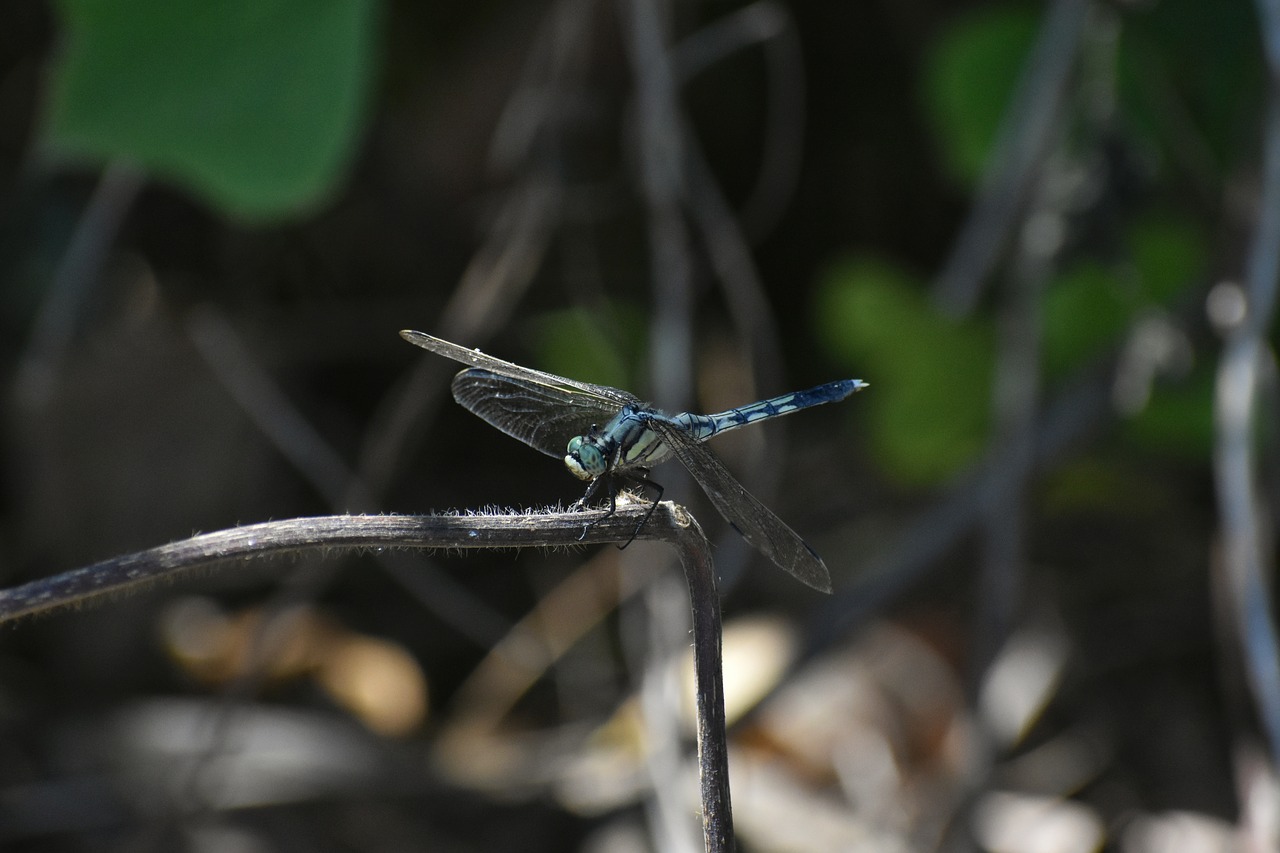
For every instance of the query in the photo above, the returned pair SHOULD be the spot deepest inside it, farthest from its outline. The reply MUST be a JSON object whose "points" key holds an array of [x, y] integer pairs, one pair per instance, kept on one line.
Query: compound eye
{"points": [[584, 460]]}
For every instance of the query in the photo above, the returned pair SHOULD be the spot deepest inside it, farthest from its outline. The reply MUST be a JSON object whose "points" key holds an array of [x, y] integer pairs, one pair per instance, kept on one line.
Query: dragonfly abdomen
{"points": [[705, 426]]}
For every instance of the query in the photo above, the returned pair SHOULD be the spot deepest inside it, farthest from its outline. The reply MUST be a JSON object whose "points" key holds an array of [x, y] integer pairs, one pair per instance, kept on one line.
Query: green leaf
{"points": [[254, 104], [1191, 78], [1086, 310], [589, 346], [968, 81], [930, 377], [1178, 419], [1090, 307], [1170, 253]]}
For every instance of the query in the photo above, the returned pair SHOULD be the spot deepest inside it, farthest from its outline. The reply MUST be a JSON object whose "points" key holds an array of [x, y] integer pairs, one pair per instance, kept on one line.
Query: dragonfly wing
{"points": [[757, 523], [543, 416], [569, 387]]}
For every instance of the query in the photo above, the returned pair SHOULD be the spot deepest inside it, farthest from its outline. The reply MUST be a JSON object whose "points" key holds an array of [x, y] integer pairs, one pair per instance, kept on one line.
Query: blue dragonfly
{"points": [[605, 434]]}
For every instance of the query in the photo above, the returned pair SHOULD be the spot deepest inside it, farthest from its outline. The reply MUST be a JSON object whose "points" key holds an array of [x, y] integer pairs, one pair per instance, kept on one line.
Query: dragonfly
{"points": [[604, 434]]}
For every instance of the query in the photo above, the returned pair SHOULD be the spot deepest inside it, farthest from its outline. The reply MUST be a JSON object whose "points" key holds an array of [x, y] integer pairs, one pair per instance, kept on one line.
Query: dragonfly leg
{"points": [[642, 482], [594, 487], [638, 478]]}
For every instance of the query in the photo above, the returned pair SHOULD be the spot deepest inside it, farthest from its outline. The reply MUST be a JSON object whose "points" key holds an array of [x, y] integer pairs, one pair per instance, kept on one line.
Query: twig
{"points": [[288, 430], [1016, 158], [669, 523], [713, 748], [770, 25]]}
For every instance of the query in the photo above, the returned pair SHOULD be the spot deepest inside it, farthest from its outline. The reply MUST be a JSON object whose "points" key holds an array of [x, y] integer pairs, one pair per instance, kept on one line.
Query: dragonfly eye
{"points": [[584, 459]]}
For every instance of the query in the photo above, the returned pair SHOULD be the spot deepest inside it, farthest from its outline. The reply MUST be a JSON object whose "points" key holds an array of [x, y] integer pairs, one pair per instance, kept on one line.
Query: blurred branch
{"points": [[1016, 158], [1269, 26], [540, 97], [660, 151], [692, 189], [79, 269], [1246, 361], [527, 141], [1016, 399], [272, 413], [662, 173], [489, 293], [316, 460], [915, 552], [730, 254], [770, 25]]}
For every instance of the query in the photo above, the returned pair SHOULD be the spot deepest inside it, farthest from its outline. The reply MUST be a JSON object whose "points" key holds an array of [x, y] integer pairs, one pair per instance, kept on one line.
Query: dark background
{"points": [[1035, 627]]}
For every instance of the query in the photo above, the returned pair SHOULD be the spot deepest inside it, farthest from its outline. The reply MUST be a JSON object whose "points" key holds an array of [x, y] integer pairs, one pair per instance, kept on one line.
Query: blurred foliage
{"points": [[1086, 310], [931, 375], [602, 347], [1190, 79], [1110, 484], [1090, 306], [968, 79], [1171, 255], [255, 105], [1177, 420], [323, 204]]}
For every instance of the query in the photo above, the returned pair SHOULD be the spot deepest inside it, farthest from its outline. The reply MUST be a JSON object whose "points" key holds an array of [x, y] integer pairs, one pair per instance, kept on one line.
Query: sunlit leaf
{"points": [[254, 104]]}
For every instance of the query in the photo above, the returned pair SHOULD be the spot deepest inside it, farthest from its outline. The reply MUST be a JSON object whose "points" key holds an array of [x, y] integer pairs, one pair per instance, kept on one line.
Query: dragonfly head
{"points": [[585, 459]]}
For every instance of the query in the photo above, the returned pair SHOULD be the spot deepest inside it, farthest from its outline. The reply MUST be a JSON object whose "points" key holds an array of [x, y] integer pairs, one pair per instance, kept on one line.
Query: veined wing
{"points": [[475, 358], [542, 416], [756, 522], [541, 409]]}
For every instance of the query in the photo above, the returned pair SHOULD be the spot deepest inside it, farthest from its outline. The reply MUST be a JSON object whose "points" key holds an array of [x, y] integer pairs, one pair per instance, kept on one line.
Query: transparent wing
{"points": [[541, 409], [542, 416], [758, 525], [544, 411], [570, 388]]}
